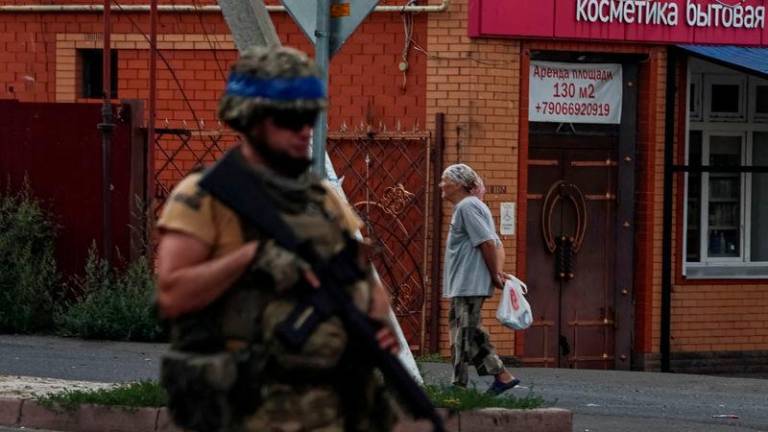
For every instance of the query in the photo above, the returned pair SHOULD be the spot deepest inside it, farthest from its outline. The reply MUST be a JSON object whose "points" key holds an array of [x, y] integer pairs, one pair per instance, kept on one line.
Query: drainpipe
{"points": [[106, 126], [190, 8], [666, 254], [150, 147]]}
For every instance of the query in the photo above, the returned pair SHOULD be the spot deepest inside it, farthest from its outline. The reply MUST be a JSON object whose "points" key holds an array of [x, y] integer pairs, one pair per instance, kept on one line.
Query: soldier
{"points": [[225, 285]]}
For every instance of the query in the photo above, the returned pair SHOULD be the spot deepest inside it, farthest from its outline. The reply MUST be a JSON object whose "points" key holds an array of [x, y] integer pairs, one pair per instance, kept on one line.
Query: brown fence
{"points": [[57, 148]]}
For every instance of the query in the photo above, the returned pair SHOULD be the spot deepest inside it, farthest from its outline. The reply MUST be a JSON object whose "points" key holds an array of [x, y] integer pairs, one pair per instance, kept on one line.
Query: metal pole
{"points": [[106, 127], [437, 233], [322, 57], [150, 148], [666, 253]]}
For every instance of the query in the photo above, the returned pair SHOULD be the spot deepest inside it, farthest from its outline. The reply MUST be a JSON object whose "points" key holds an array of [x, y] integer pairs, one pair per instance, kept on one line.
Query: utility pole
{"points": [[250, 23], [323, 59], [106, 127]]}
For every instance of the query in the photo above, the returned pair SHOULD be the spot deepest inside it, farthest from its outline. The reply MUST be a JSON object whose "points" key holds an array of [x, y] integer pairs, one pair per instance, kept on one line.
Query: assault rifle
{"points": [[233, 183]]}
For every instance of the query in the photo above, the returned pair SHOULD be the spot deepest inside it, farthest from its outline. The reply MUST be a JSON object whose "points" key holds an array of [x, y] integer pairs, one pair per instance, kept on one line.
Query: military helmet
{"points": [[268, 80]]}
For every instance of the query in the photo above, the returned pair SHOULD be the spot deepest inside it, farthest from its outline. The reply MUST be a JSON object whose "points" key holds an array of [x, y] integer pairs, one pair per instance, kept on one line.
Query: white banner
{"points": [[575, 93]]}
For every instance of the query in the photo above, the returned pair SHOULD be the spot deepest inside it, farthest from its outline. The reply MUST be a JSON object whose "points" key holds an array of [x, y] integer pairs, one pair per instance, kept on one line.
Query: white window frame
{"points": [[725, 79], [754, 116], [744, 124], [704, 205], [748, 189]]}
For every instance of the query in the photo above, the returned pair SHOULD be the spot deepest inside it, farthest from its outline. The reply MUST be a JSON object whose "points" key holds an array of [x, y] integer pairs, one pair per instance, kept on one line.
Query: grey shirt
{"points": [[465, 272]]}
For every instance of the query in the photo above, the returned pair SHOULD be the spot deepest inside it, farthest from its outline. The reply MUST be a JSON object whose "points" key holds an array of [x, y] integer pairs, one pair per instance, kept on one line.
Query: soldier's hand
{"points": [[388, 340]]}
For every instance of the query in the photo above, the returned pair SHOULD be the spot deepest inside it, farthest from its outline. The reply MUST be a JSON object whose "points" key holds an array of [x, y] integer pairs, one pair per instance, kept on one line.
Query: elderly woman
{"points": [[472, 270]]}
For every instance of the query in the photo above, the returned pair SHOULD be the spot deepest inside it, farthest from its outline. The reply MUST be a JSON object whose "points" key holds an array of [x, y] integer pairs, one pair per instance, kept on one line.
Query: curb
{"points": [[27, 413]]}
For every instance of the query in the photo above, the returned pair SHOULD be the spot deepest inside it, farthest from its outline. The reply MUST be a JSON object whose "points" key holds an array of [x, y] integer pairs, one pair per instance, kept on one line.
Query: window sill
{"points": [[726, 272]]}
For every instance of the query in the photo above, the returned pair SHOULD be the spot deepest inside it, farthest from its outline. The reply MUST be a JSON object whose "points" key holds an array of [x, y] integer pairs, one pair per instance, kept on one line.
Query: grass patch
{"points": [[152, 394], [431, 358], [134, 395], [460, 399]]}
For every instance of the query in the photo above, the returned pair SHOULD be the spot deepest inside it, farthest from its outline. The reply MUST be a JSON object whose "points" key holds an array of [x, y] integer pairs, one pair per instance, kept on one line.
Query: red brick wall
{"points": [[366, 84], [38, 62], [644, 211], [478, 84]]}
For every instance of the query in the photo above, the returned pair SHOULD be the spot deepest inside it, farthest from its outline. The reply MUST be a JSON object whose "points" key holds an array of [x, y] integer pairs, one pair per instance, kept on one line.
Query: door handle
{"points": [[565, 247]]}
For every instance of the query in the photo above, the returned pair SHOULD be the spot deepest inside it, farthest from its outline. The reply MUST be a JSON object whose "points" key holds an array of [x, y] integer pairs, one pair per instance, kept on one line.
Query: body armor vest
{"points": [[268, 291], [222, 355]]}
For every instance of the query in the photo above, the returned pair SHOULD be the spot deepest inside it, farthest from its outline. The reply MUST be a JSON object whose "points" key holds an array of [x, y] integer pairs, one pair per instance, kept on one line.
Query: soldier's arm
{"points": [[188, 280]]}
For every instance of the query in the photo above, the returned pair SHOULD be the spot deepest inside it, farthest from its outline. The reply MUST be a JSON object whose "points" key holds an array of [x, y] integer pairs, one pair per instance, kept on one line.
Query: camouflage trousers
{"points": [[470, 343], [288, 408]]}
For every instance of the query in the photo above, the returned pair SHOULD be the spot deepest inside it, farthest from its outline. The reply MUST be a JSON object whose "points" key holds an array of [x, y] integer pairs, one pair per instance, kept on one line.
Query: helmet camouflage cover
{"points": [[268, 80]]}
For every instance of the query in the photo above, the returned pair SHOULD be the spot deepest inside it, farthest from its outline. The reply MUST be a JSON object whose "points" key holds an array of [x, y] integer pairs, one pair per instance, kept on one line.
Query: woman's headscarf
{"points": [[465, 176]]}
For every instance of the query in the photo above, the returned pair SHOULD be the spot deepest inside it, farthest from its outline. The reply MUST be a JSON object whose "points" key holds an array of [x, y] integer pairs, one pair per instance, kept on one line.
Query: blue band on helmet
{"points": [[276, 88]]}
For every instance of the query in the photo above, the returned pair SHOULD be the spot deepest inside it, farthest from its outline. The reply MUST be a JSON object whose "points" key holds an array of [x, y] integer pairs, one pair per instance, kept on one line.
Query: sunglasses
{"points": [[295, 121]]}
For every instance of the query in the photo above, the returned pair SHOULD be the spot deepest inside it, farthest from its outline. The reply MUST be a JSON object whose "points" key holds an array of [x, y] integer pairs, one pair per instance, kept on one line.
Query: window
{"points": [[724, 97], [758, 89], [694, 97], [715, 205], [723, 204], [758, 238], [92, 73], [726, 212]]}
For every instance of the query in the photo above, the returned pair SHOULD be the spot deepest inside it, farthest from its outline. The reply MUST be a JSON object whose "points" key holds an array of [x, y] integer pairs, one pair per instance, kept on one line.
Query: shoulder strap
{"points": [[231, 182]]}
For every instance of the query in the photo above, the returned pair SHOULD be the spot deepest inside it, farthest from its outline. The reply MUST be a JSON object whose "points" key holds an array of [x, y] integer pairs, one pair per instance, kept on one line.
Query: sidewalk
{"points": [[601, 400]]}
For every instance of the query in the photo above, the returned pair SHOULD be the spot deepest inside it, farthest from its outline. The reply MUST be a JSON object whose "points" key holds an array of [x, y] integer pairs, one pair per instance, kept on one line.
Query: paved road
{"points": [[74, 359], [607, 401], [642, 401], [5, 429]]}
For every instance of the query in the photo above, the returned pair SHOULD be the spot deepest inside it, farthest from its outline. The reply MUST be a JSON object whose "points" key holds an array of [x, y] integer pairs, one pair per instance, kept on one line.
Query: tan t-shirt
{"points": [[190, 210]]}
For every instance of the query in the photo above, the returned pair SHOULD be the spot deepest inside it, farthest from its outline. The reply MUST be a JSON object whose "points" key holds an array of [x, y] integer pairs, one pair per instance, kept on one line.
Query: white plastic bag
{"points": [[514, 311]]}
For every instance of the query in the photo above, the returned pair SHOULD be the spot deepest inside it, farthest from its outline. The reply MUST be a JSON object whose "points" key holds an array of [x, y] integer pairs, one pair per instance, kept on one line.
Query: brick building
{"points": [[689, 289]]}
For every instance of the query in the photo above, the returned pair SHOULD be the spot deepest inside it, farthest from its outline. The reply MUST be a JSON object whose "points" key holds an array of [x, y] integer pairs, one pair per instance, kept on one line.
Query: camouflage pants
{"points": [[470, 343], [288, 408]]}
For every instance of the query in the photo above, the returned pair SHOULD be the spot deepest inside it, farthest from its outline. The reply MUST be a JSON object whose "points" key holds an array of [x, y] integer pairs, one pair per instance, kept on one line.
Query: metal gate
{"points": [[179, 151], [386, 179]]}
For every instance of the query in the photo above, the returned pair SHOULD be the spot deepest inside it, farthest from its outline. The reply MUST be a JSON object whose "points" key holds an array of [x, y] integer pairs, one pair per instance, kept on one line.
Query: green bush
{"points": [[111, 304], [27, 265]]}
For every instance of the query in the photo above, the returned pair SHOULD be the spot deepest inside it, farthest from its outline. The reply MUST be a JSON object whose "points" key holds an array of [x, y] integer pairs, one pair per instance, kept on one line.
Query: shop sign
{"points": [[575, 92], [733, 22]]}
